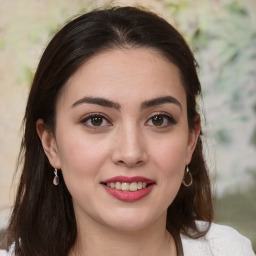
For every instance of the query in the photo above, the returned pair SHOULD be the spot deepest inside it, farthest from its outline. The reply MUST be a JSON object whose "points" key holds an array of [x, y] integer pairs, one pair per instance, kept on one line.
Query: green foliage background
{"points": [[223, 36]]}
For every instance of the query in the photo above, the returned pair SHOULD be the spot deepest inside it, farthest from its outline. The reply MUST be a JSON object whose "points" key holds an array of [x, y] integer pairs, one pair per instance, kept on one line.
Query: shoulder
{"points": [[9, 252], [3, 253], [220, 240], [6, 253], [228, 241]]}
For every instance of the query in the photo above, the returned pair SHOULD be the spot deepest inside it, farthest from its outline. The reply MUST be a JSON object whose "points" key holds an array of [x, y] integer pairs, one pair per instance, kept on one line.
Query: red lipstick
{"points": [[128, 196]]}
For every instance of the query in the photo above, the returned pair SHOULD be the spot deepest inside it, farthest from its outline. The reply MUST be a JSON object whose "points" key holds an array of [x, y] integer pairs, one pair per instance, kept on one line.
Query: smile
{"points": [[124, 186], [128, 189]]}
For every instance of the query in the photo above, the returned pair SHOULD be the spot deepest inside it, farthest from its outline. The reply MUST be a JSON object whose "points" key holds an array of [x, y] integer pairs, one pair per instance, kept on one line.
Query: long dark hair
{"points": [[43, 221]]}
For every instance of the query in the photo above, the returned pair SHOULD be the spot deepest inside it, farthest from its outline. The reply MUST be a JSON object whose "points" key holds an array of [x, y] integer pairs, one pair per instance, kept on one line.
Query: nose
{"points": [[130, 148]]}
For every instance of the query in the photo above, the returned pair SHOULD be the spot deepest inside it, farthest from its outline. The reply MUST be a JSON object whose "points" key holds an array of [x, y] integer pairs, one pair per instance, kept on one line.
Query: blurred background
{"points": [[222, 34]]}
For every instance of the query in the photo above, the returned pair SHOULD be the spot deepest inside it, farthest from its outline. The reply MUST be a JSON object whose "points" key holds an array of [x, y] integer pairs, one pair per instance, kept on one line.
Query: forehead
{"points": [[117, 74]]}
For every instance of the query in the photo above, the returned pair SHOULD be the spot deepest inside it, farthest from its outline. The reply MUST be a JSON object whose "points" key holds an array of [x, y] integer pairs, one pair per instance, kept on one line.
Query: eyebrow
{"points": [[110, 104], [98, 101], [160, 101]]}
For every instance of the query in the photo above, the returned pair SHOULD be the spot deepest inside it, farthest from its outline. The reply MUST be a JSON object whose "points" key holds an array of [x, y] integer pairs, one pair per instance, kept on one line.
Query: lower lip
{"points": [[128, 196]]}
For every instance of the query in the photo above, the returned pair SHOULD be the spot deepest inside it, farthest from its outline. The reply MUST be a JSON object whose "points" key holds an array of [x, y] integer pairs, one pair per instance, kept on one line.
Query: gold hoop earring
{"points": [[56, 179], [187, 172]]}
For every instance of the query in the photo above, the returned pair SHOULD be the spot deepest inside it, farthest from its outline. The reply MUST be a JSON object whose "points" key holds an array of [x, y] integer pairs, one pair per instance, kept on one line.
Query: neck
{"points": [[96, 239]]}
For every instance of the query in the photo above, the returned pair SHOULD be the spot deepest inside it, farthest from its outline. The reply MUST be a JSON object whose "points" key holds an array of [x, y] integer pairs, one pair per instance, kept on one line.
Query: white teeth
{"points": [[133, 186], [125, 186], [139, 185], [118, 185]]}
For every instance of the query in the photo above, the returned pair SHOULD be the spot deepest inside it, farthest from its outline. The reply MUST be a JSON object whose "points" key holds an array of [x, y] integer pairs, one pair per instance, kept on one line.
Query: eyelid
{"points": [[164, 114], [94, 114]]}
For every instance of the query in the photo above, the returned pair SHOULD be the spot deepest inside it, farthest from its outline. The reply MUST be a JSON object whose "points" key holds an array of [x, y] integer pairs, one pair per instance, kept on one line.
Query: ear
{"points": [[49, 143], [192, 139]]}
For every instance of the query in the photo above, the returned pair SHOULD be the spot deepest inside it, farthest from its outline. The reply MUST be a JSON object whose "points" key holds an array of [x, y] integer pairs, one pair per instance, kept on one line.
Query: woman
{"points": [[112, 153]]}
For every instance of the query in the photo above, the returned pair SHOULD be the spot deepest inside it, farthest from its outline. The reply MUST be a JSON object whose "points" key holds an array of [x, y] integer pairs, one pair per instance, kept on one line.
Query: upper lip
{"points": [[128, 179]]}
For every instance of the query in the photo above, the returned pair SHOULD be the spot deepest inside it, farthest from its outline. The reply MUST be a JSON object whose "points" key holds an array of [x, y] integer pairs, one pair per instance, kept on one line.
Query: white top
{"points": [[219, 241]]}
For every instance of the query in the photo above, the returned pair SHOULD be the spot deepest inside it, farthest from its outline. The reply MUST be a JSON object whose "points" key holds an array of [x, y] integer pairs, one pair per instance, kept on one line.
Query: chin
{"points": [[130, 221], [128, 226]]}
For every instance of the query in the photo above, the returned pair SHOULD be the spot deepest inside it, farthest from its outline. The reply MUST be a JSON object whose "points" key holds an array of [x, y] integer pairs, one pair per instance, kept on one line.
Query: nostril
{"points": [[139, 163], [130, 163], [120, 162], [129, 157]]}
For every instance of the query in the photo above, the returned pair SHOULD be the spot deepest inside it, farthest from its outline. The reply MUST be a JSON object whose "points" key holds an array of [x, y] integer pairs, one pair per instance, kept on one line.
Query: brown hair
{"points": [[43, 221]]}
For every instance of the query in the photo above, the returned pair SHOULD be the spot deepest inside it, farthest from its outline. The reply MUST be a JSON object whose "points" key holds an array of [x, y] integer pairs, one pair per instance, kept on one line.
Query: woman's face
{"points": [[122, 139]]}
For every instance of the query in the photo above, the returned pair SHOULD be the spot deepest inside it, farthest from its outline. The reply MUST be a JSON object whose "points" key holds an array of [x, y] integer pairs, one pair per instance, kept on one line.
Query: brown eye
{"points": [[157, 120], [96, 120], [161, 121]]}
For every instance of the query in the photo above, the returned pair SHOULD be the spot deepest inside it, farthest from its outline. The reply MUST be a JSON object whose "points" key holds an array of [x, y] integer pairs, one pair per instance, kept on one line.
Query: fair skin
{"points": [[139, 128]]}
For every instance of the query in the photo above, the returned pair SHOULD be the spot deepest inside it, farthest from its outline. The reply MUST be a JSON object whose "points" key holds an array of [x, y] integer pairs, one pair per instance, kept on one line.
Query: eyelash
{"points": [[99, 115], [169, 118]]}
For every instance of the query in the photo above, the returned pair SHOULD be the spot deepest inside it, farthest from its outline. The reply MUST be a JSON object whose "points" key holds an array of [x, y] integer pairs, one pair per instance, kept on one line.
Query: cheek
{"points": [[80, 158], [81, 163], [171, 152], [169, 158], [172, 165]]}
